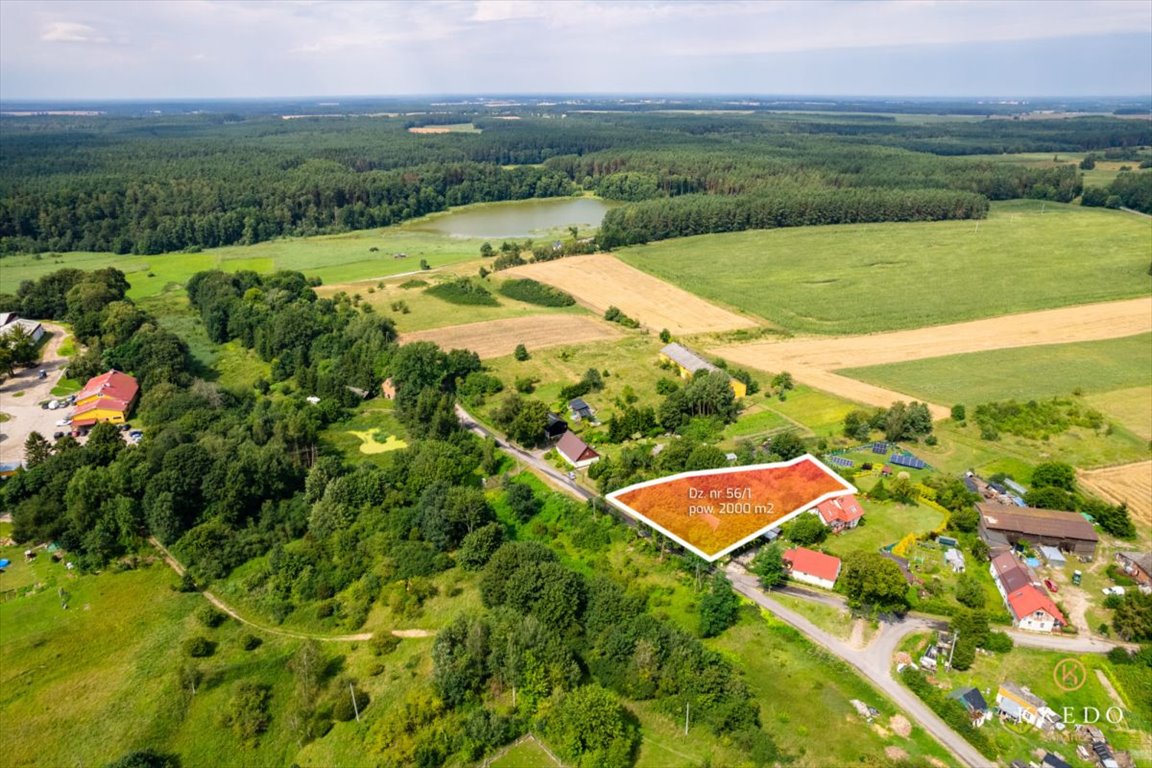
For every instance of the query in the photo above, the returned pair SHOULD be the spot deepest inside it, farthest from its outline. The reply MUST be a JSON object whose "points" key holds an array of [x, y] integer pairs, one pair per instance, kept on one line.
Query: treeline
{"points": [[1129, 190], [169, 183], [704, 214], [570, 646]]}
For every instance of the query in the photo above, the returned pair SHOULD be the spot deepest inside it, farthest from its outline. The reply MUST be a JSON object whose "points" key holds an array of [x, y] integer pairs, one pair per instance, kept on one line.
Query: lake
{"points": [[522, 218]]}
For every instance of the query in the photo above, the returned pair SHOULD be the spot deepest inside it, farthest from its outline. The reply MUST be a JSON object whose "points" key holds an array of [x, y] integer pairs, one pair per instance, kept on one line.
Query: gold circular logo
{"points": [[1070, 674]]}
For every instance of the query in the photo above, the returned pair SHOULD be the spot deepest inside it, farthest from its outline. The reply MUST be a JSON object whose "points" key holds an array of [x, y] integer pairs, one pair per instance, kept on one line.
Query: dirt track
{"points": [[813, 360], [497, 338], [600, 280], [1129, 483]]}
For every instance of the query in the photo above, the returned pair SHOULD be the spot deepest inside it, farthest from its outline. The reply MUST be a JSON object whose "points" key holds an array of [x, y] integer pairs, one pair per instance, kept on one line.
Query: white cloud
{"points": [[71, 32]]}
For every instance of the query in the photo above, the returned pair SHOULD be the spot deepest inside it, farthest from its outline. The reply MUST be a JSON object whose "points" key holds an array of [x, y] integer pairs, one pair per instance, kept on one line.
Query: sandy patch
{"points": [[895, 753], [600, 280], [1129, 483], [813, 360], [900, 725], [856, 639], [497, 338]]}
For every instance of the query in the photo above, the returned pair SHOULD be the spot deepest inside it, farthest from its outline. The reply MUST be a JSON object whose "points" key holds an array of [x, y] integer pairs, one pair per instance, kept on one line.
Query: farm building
{"points": [[688, 363], [840, 513], [812, 567], [1031, 607], [555, 428], [575, 451], [1137, 565], [10, 321], [107, 397], [1053, 556], [1002, 526]]}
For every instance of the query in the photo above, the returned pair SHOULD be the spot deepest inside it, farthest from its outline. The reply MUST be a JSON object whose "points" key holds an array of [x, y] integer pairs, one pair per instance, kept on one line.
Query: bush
{"points": [[199, 647], [533, 292], [250, 642], [999, 642], [343, 709], [383, 643], [614, 315], [248, 714], [210, 617], [521, 353], [463, 291]]}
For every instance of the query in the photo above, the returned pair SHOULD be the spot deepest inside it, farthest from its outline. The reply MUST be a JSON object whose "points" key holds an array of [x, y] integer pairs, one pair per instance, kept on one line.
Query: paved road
{"points": [[558, 478], [874, 662]]}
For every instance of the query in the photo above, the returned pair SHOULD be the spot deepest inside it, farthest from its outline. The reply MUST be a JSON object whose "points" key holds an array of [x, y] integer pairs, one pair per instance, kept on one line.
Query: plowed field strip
{"points": [[600, 280], [1130, 483], [812, 361], [497, 338]]}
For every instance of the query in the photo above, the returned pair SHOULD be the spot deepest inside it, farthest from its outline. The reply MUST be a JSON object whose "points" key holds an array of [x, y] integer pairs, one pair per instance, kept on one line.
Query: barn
{"points": [[1002, 526], [688, 363]]}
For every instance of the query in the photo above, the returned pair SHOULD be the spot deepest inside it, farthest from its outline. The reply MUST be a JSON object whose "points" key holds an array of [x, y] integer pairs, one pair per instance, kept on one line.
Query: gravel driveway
{"points": [[21, 395]]}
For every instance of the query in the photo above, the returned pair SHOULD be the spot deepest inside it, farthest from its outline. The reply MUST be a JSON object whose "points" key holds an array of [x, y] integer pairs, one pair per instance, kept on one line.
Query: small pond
{"points": [[521, 218]]}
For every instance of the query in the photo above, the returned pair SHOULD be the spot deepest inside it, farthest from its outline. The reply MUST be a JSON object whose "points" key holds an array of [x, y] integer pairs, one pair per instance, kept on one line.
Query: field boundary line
{"points": [[178, 567]]}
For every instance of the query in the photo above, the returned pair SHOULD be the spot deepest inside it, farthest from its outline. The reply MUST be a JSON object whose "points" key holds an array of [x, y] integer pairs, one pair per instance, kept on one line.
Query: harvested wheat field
{"points": [[497, 338], [601, 280], [813, 360], [1129, 483]]}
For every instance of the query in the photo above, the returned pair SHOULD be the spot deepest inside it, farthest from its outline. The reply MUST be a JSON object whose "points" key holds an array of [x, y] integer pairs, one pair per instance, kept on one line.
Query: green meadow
{"points": [[861, 278], [1026, 373]]}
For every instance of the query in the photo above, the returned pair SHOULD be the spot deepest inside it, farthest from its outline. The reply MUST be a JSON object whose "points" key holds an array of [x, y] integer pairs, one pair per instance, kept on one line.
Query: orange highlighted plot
{"points": [[714, 511]]}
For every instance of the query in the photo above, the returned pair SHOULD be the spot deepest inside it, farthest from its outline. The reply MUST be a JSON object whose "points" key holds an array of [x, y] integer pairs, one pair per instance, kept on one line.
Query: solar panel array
{"points": [[840, 461], [901, 460], [880, 448]]}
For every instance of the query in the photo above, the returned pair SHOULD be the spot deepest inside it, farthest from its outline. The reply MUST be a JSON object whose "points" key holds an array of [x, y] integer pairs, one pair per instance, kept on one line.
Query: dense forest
{"points": [[154, 185]]}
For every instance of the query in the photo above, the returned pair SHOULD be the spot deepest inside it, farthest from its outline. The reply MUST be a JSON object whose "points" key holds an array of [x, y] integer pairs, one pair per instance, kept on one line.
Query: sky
{"points": [[106, 49]]}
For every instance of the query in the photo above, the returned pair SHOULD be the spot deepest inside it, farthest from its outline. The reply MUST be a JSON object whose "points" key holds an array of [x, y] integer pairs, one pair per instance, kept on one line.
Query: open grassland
{"points": [[1129, 483], [1130, 407], [416, 310], [814, 360], [875, 277], [600, 280], [497, 338], [332, 258], [1023, 374]]}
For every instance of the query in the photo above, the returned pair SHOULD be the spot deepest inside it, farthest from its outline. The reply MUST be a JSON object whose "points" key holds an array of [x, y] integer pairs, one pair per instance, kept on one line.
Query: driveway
{"points": [[22, 393]]}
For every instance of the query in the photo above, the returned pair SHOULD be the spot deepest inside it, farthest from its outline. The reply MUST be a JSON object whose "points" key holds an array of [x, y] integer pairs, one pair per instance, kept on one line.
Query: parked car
{"points": [[42, 375], [1113, 590], [1051, 587], [124, 427], [57, 435], [53, 404], [64, 422]]}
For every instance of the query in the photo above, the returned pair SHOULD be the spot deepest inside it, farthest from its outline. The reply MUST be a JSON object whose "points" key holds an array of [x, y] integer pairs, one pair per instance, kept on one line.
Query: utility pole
{"points": [[355, 706], [687, 709], [955, 636]]}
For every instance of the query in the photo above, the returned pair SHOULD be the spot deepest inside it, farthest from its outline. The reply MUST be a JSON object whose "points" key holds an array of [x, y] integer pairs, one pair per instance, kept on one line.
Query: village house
{"points": [[972, 701], [1031, 607], [1020, 705], [840, 513], [575, 451], [812, 567], [688, 363], [580, 410], [107, 397]]}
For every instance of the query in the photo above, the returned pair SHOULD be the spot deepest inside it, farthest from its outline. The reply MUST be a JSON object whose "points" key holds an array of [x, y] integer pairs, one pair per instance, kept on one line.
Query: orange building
{"points": [[107, 397]]}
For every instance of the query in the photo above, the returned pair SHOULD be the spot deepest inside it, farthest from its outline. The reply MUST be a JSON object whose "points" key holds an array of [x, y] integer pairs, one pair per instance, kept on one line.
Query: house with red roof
{"points": [[840, 513], [812, 567], [575, 451], [107, 397], [1031, 607]]}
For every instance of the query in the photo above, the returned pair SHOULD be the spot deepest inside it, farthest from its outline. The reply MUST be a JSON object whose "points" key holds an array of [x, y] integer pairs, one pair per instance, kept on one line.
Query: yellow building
{"points": [[107, 397], [688, 363]]}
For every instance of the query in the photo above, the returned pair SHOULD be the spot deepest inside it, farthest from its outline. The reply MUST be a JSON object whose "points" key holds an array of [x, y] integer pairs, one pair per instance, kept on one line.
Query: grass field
{"points": [[1130, 407], [499, 338], [1023, 374], [873, 277], [884, 523]]}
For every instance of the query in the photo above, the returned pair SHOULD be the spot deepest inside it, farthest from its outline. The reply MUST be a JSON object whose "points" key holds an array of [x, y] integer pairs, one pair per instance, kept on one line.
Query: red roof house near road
{"points": [[813, 567], [575, 451], [114, 384], [840, 512], [1034, 610]]}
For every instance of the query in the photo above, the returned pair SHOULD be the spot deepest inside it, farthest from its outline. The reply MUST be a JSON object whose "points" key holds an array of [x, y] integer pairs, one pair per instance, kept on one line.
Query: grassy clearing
{"points": [[378, 442], [376, 416], [239, 368], [1130, 407], [884, 523], [1022, 374], [525, 754], [846, 279], [65, 387]]}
